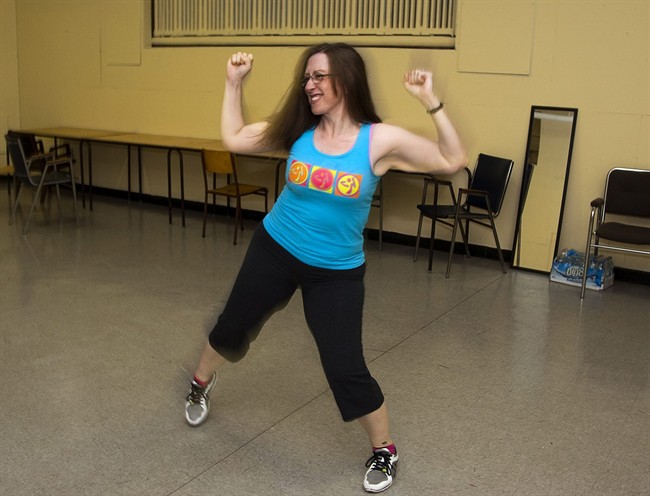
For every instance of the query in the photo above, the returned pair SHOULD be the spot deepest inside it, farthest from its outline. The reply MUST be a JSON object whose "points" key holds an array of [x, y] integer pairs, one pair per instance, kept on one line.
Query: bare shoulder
{"points": [[386, 132]]}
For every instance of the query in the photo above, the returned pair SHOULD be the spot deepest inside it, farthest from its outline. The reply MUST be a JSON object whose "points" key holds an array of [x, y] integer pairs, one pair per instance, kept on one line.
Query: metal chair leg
{"points": [[31, 210], [205, 213], [74, 197], [431, 243], [585, 267], [19, 191], [417, 238], [453, 239], [496, 240]]}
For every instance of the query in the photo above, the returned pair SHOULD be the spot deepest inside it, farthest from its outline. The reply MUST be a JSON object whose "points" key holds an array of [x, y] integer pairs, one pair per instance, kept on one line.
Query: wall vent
{"points": [[370, 22]]}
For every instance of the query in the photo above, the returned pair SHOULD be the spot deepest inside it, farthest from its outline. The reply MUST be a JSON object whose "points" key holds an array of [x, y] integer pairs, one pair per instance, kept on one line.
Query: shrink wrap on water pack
{"points": [[568, 266]]}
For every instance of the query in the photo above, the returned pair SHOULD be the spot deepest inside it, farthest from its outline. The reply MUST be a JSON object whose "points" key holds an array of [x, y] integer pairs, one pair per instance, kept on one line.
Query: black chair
{"points": [[615, 217], [479, 203], [33, 147], [436, 211], [38, 171]]}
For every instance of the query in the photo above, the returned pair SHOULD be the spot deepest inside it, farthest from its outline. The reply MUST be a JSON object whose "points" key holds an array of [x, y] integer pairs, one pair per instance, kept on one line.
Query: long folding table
{"points": [[173, 144]]}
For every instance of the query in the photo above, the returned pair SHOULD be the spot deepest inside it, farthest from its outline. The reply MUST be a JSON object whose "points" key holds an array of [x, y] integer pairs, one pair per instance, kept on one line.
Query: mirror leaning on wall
{"points": [[551, 133]]}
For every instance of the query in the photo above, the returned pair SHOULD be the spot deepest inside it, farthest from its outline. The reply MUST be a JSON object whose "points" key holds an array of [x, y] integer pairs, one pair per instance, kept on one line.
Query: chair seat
{"points": [[52, 178], [231, 190], [449, 212], [624, 233], [444, 211]]}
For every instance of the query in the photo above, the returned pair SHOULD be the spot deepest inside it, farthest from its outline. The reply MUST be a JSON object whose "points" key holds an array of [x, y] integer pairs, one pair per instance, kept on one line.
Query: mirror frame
{"points": [[525, 183]]}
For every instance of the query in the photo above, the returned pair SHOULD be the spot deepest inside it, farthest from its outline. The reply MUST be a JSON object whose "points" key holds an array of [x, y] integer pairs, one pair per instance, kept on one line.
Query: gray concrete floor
{"points": [[496, 384]]}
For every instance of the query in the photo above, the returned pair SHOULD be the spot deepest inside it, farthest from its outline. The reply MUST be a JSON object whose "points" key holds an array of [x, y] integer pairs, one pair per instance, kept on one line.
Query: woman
{"points": [[312, 238]]}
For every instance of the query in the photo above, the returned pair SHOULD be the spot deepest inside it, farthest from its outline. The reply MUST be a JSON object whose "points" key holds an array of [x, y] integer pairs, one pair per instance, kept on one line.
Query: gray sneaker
{"points": [[197, 403], [381, 472]]}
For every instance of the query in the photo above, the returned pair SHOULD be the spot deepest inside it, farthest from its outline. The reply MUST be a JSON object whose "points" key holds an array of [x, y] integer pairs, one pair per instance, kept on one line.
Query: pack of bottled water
{"points": [[568, 267]]}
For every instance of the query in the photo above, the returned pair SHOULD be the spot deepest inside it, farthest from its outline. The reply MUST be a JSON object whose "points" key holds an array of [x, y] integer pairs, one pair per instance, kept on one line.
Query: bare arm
{"points": [[397, 148], [236, 135]]}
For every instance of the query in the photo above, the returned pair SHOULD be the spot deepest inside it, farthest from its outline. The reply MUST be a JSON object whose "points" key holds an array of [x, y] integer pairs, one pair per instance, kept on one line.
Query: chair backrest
{"points": [[491, 174], [17, 155], [627, 192], [217, 161], [29, 143]]}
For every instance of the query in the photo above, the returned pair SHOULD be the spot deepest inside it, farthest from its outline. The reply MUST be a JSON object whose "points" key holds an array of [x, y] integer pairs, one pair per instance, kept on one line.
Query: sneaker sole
{"points": [[375, 491]]}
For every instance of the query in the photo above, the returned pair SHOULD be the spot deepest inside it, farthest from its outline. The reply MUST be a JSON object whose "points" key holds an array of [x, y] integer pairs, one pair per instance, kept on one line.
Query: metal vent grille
{"points": [[194, 20]]}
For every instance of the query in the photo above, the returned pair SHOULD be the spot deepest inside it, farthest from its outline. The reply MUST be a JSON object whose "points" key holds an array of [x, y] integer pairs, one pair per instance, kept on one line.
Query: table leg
{"points": [[180, 158], [128, 168], [90, 176], [82, 172], [169, 183], [140, 172]]}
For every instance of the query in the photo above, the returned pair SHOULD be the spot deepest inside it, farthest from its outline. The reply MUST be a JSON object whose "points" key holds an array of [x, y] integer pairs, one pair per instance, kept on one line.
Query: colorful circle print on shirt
{"points": [[298, 173], [322, 179], [348, 185], [325, 180]]}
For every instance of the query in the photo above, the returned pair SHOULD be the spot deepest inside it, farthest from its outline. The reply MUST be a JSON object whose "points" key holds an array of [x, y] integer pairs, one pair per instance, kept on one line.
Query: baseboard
{"points": [[622, 274], [632, 275], [176, 202], [439, 245]]}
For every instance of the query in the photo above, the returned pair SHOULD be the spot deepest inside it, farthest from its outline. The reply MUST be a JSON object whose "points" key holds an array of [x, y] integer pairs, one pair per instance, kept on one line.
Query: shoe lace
{"points": [[197, 394], [381, 460]]}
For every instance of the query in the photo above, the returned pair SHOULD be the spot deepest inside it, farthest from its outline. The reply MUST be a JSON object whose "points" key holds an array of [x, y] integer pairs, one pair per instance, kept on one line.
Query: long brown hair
{"points": [[294, 115]]}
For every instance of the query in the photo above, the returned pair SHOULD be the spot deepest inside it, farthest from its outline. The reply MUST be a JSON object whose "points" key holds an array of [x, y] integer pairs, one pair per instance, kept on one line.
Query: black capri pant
{"points": [[333, 306]]}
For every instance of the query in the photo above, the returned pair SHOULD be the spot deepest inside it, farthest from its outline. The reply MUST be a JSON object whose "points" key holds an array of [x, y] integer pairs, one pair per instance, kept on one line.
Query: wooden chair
{"points": [[222, 163]]}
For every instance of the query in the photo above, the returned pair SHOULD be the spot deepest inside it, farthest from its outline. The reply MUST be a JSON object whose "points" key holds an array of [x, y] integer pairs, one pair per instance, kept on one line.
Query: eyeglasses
{"points": [[317, 78]]}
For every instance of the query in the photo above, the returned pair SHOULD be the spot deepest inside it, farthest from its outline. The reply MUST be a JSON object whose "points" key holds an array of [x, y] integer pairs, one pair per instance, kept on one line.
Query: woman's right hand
{"points": [[419, 84], [239, 65]]}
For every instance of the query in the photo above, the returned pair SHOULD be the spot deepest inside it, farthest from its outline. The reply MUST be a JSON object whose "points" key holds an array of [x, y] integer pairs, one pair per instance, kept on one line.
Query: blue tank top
{"points": [[320, 215]]}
